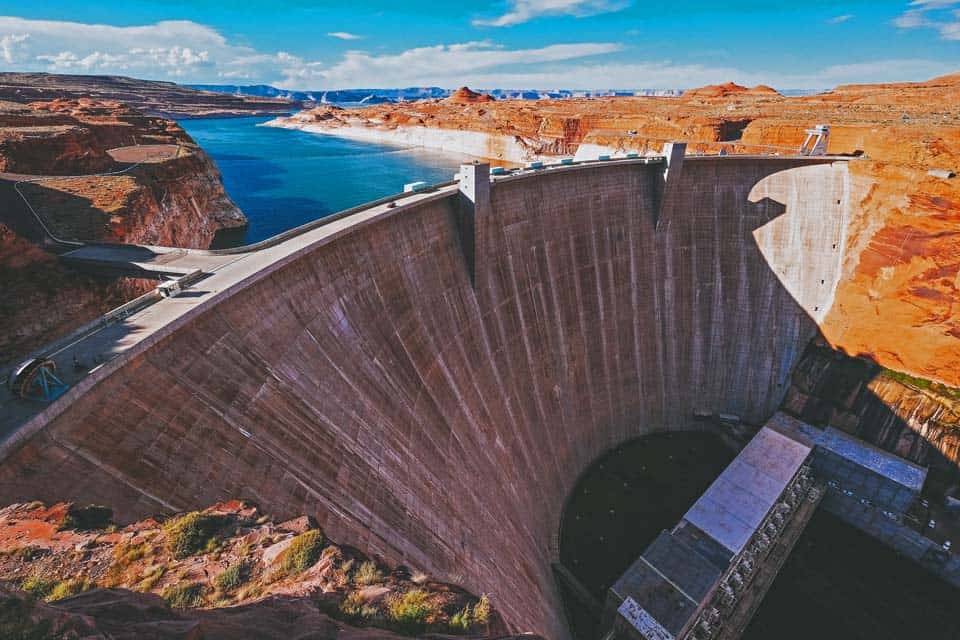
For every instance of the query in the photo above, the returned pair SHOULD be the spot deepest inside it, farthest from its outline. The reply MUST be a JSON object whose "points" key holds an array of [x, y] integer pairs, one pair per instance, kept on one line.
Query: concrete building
{"points": [[705, 577], [878, 477], [856, 469]]}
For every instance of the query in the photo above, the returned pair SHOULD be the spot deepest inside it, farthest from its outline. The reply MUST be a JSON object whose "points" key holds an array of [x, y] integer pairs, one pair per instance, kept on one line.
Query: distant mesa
{"points": [[464, 95], [950, 79], [731, 89]]}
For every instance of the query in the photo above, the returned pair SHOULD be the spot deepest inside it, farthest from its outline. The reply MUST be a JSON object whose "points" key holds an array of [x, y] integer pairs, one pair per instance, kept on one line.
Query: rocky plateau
{"points": [[155, 98], [228, 571], [100, 171]]}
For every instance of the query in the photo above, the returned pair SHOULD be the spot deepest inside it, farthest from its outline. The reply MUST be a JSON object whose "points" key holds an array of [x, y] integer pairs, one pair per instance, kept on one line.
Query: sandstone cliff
{"points": [[150, 96], [167, 192], [464, 95]]}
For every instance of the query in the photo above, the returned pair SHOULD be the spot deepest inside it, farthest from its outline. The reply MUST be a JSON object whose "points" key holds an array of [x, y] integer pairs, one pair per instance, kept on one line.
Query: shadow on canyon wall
{"points": [[856, 395], [66, 215]]}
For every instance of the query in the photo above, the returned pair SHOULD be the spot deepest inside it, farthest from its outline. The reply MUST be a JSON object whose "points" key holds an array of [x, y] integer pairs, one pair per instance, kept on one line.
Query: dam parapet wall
{"points": [[358, 373]]}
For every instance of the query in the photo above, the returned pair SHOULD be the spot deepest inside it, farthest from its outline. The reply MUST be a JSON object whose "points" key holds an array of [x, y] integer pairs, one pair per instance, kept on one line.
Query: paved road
{"points": [[99, 345], [145, 261]]}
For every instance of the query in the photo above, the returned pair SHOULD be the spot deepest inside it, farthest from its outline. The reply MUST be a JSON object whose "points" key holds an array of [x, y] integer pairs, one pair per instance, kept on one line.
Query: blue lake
{"points": [[282, 178]]}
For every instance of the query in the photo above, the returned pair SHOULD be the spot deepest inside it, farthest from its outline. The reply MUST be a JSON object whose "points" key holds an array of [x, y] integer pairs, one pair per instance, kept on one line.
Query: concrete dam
{"points": [[429, 379]]}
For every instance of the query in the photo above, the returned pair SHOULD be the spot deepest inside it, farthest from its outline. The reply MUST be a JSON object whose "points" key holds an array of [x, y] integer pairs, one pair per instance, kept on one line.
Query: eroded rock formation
{"points": [[464, 95], [174, 197], [909, 417], [225, 572]]}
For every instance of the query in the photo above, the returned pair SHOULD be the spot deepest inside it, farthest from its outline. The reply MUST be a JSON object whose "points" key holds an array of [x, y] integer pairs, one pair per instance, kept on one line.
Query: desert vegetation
{"points": [[230, 554]]}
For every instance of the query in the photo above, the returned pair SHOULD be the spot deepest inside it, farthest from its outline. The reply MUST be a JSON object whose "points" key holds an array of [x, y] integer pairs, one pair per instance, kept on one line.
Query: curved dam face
{"points": [[439, 415]]}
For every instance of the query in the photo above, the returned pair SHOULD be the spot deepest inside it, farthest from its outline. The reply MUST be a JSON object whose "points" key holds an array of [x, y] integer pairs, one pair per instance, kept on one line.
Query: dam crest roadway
{"points": [[427, 378]]}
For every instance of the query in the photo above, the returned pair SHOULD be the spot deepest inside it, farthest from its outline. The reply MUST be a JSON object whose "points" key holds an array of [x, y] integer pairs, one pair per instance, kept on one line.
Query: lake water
{"points": [[282, 178]]}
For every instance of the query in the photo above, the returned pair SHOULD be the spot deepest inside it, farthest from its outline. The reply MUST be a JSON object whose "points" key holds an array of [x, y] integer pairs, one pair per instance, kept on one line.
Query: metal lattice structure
{"points": [[36, 379]]}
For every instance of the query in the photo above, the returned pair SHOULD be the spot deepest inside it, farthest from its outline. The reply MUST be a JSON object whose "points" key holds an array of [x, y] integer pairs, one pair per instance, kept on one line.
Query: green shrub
{"points": [[68, 588], [462, 620], [89, 518], [481, 611], [190, 533], [127, 553], [358, 611], [368, 574], [150, 580], [249, 591], [27, 554], [411, 612], [352, 605], [38, 586], [302, 553], [184, 595], [233, 576], [923, 384]]}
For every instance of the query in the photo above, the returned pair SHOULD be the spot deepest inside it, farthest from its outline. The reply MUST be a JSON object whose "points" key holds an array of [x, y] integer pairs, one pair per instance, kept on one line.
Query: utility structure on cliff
{"points": [[816, 142]]}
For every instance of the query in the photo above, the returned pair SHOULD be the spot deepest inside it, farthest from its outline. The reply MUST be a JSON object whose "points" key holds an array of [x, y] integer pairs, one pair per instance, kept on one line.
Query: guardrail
{"points": [[316, 224], [117, 314]]}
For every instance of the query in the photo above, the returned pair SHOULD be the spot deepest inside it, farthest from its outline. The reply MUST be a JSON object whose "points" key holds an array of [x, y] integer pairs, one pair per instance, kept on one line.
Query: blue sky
{"points": [[626, 44]]}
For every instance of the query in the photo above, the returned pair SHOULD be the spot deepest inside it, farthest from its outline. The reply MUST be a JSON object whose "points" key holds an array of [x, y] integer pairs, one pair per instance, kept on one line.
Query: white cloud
{"points": [[9, 44], [344, 35], [440, 64], [840, 19], [933, 4], [189, 52], [940, 15], [170, 49], [521, 11]]}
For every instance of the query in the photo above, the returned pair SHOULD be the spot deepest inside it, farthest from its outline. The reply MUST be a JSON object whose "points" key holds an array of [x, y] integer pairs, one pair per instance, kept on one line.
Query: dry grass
{"points": [[184, 595], [368, 574], [191, 533], [302, 553]]}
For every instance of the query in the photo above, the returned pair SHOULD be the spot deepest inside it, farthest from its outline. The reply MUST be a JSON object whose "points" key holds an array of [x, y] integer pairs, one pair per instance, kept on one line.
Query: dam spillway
{"points": [[435, 405]]}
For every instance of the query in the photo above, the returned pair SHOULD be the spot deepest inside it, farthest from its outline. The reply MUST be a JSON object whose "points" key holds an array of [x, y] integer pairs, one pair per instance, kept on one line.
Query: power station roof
{"points": [[877, 460], [731, 510]]}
